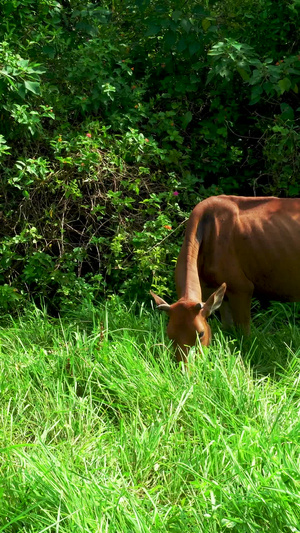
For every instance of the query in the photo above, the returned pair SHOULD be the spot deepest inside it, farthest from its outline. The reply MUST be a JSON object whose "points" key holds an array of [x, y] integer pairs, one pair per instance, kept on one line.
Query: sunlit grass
{"points": [[102, 432]]}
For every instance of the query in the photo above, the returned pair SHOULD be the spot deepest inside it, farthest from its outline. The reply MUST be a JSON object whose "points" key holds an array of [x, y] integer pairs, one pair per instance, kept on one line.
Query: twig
{"points": [[167, 236]]}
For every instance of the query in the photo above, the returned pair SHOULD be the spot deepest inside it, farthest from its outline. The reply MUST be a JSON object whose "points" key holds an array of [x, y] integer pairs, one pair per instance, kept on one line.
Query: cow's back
{"points": [[245, 241]]}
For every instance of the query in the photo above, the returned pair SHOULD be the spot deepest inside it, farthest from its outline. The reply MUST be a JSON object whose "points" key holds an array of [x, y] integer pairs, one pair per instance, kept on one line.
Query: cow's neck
{"points": [[187, 276]]}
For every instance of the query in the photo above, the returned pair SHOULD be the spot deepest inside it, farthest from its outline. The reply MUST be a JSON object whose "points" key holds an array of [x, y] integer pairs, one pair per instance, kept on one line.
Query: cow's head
{"points": [[188, 319]]}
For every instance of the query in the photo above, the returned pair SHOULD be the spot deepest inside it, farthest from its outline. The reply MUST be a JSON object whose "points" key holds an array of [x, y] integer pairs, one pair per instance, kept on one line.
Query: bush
{"points": [[116, 122]]}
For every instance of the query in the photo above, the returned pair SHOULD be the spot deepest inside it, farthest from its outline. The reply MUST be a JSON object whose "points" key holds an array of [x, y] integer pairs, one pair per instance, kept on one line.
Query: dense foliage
{"points": [[117, 118]]}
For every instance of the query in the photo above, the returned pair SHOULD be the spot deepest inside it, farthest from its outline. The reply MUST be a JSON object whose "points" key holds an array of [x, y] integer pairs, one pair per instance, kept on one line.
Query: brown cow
{"points": [[244, 246]]}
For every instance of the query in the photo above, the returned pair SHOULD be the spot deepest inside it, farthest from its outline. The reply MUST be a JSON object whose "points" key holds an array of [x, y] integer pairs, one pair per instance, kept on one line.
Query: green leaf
{"points": [[185, 23], [269, 87], [153, 29], [88, 28], [49, 51], [186, 119], [222, 131], [21, 91], [284, 85], [210, 76], [255, 94], [199, 10], [243, 73], [194, 47], [176, 15], [32, 86], [170, 39], [206, 24], [256, 77], [182, 44], [23, 63], [287, 113]]}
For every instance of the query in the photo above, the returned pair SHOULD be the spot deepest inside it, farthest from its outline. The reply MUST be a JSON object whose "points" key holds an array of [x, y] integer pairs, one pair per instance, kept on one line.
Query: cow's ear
{"points": [[214, 301], [161, 304]]}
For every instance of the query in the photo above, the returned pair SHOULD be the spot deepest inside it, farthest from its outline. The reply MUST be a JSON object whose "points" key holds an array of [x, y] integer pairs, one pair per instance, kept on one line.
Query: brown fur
{"points": [[249, 245]]}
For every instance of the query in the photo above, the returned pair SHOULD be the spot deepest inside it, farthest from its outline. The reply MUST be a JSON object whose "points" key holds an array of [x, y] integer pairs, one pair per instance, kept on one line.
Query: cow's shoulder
{"points": [[225, 207], [216, 208]]}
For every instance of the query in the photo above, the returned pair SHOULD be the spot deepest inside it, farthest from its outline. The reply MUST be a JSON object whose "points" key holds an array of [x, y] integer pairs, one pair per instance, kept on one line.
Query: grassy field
{"points": [[102, 432]]}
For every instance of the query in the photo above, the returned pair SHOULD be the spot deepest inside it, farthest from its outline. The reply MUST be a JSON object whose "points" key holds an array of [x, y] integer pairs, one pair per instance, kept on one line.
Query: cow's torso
{"points": [[239, 246], [252, 244]]}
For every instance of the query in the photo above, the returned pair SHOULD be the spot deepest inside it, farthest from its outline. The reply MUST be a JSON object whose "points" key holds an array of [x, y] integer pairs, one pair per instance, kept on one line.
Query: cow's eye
{"points": [[201, 334]]}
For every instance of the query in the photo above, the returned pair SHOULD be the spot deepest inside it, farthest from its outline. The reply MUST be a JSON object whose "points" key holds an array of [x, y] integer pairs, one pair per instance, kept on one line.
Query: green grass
{"points": [[102, 432]]}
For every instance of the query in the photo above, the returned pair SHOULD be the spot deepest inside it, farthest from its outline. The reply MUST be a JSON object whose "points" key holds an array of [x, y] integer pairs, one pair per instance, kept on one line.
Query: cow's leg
{"points": [[240, 307]]}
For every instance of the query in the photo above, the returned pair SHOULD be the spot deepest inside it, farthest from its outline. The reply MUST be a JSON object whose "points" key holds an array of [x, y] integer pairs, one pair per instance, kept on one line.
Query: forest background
{"points": [[118, 117]]}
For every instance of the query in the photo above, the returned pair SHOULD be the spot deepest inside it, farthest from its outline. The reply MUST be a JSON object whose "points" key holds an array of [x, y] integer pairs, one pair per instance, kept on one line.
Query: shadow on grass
{"points": [[274, 340]]}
